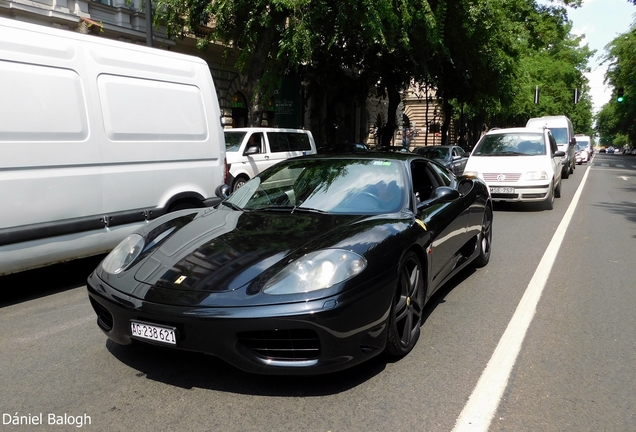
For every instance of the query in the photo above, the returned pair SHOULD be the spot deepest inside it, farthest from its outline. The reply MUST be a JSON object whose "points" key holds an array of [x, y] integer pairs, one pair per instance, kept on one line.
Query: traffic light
{"points": [[619, 95]]}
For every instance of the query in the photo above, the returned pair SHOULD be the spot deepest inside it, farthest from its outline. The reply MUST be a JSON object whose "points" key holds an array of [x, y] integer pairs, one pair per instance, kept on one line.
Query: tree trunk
{"points": [[255, 85], [448, 115], [389, 129]]}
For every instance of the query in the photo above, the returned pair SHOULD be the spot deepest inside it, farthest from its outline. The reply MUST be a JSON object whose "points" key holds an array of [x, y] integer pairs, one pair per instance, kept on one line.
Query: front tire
{"points": [[407, 307], [548, 204]]}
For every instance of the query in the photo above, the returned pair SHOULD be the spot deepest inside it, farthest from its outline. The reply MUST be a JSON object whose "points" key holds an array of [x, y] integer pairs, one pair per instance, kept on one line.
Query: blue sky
{"points": [[600, 21]]}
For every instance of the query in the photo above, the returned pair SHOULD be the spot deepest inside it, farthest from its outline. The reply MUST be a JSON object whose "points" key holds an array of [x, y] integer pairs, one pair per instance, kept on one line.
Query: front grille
{"points": [[104, 318], [284, 345], [502, 177], [535, 195], [505, 196]]}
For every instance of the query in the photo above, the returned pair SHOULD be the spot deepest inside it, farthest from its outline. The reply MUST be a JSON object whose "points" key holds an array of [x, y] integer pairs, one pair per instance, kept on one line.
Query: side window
{"points": [[256, 139], [446, 176], [423, 181], [285, 141], [278, 142]]}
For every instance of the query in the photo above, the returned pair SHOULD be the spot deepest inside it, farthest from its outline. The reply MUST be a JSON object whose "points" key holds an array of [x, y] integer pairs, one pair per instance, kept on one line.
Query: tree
{"points": [[621, 73]]}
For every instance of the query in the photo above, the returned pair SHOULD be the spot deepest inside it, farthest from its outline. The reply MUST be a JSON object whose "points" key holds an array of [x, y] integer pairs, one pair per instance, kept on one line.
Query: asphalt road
{"points": [[574, 372]]}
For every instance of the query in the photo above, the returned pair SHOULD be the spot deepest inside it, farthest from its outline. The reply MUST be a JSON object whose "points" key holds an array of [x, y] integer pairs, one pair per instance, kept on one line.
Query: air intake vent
{"points": [[284, 345]]}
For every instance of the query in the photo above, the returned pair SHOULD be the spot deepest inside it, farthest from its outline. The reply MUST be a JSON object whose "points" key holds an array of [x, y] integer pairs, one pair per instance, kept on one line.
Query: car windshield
{"points": [[233, 140], [583, 143], [434, 153], [511, 144], [347, 186]]}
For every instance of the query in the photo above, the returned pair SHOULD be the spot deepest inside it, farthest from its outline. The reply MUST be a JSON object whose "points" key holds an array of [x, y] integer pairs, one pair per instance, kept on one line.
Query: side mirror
{"points": [[445, 193], [253, 149], [559, 153], [222, 191]]}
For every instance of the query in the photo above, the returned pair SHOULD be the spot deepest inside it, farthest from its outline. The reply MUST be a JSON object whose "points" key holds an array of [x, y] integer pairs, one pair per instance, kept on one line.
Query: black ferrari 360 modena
{"points": [[317, 264]]}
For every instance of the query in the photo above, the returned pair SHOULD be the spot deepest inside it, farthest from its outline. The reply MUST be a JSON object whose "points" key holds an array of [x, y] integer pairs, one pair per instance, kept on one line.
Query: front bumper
{"points": [[315, 337]]}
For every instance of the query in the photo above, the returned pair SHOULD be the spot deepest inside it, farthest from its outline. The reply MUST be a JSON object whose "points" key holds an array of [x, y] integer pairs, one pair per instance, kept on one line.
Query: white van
{"points": [[563, 131], [96, 138], [251, 150]]}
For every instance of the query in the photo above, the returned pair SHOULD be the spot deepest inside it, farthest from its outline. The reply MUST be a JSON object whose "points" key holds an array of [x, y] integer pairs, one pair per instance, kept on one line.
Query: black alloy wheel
{"points": [[407, 307], [485, 238]]}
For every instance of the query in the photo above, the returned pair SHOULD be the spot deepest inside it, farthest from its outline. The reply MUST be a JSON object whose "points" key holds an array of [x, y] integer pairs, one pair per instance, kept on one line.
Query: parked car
{"points": [[519, 165], [251, 150], [452, 157], [316, 264]]}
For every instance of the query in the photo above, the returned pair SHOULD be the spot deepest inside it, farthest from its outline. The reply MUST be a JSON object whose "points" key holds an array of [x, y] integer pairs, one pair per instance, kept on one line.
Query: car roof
{"points": [[514, 130]]}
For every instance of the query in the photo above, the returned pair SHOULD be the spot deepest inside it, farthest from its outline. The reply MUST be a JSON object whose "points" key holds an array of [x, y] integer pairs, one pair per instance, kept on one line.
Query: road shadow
{"points": [[32, 284]]}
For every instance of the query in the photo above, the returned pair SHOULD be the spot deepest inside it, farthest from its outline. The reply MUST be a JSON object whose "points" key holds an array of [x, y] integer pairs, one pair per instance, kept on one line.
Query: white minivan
{"points": [[518, 165], [97, 137], [251, 150]]}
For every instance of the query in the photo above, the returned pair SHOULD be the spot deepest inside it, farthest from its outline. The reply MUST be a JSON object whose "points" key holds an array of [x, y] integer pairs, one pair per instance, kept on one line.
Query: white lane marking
{"points": [[57, 329], [483, 402]]}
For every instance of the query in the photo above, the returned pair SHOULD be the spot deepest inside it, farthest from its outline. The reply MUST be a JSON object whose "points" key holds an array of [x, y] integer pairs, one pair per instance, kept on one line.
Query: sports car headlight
{"points": [[535, 175], [124, 254], [316, 271]]}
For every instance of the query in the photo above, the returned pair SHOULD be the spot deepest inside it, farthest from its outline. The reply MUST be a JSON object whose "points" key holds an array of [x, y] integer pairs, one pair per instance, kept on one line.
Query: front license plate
{"points": [[154, 332], [502, 190]]}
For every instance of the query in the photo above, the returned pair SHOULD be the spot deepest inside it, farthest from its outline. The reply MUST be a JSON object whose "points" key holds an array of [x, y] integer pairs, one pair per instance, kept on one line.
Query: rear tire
{"points": [[407, 307]]}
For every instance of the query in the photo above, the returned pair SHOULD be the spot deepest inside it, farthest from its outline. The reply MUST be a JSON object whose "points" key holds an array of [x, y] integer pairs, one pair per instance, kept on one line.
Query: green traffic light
{"points": [[619, 97]]}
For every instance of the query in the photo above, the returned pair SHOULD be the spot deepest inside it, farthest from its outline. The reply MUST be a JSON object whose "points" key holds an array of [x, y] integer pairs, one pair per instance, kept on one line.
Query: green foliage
{"points": [[485, 56], [621, 74]]}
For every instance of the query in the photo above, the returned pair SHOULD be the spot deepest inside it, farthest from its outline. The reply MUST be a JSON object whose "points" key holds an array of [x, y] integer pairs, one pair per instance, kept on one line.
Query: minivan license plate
{"points": [[502, 190], [153, 332]]}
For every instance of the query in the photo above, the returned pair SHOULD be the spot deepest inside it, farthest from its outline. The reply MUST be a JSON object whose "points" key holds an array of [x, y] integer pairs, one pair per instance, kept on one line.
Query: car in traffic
{"points": [[316, 264], [518, 165], [563, 132], [581, 155], [451, 156]]}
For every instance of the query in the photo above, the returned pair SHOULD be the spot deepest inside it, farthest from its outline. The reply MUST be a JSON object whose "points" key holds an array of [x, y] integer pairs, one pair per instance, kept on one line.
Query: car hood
{"points": [[223, 257]]}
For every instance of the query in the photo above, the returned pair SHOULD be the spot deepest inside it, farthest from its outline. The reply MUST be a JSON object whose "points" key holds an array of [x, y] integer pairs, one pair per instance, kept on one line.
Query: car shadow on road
{"points": [[32, 284], [195, 370]]}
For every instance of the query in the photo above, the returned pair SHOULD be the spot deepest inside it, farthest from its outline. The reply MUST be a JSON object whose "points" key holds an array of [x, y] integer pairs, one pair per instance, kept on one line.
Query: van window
{"points": [[37, 93], [285, 141], [560, 135], [147, 110]]}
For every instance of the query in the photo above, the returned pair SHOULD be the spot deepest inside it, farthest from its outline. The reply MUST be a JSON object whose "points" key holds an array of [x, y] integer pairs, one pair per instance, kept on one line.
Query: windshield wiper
{"points": [[307, 210], [232, 205]]}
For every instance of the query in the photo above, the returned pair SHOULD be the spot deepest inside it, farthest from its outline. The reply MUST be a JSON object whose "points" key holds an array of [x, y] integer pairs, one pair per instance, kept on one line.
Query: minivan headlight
{"points": [[315, 271], [535, 175], [124, 254]]}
